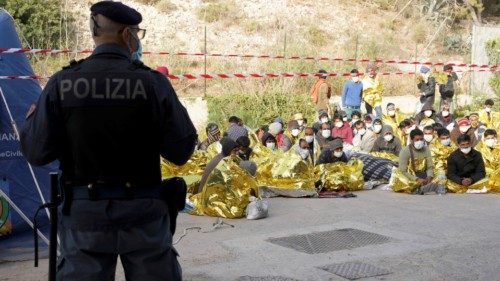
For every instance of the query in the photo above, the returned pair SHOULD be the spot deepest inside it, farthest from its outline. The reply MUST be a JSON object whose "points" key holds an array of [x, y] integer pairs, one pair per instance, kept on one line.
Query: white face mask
{"points": [[377, 128], [428, 137], [295, 132], [271, 145], [354, 120], [326, 133], [338, 124], [419, 145], [445, 113], [300, 122], [338, 154], [355, 79], [446, 142], [324, 120], [491, 142], [304, 153], [465, 150], [464, 129], [487, 109], [344, 119], [391, 113], [309, 139], [368, 125], [388, 138], [361, 131], [428, 113]]}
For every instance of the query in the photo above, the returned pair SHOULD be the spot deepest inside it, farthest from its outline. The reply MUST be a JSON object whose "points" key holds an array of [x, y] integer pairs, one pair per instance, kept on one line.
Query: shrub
{"points": [[492, 47], [316, 36], [165, 6], [213, 12]]}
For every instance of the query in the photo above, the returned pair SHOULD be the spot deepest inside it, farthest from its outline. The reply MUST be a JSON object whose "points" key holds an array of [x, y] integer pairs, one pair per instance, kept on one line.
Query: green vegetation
{"points": [[316, 36], [492, 47], [42, 23], [213, 12]]}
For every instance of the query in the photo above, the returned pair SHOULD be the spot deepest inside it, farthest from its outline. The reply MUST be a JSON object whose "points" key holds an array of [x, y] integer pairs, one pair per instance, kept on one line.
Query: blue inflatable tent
{"points": [[24, 187]]}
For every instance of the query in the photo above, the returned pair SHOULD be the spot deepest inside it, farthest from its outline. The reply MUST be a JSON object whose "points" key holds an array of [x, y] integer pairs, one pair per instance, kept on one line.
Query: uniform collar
{"points": [[111, 48]]}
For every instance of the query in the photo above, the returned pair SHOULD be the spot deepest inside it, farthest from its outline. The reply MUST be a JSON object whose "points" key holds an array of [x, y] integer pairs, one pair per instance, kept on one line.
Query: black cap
{"points": [[117, 12]]}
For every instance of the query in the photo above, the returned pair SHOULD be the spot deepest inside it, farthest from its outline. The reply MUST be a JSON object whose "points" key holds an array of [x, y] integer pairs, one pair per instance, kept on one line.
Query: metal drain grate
{"points": [[355, 270], [265, 278], [329, 241]]}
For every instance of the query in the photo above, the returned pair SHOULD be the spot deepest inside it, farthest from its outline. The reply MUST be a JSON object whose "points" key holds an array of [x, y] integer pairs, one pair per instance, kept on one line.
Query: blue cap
{"points": [[117, 12], [424, 69]]}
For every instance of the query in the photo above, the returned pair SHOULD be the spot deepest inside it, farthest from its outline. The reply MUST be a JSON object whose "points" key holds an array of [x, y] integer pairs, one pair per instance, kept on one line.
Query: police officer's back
{"points": [[107, 119]]}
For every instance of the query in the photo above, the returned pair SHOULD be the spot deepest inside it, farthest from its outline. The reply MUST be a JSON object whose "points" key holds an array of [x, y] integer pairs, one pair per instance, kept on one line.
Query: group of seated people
{"points": [[434, 150]]}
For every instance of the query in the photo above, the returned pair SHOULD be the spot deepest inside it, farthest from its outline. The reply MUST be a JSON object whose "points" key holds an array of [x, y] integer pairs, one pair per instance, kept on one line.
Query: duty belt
{"points": [[95, 192]]}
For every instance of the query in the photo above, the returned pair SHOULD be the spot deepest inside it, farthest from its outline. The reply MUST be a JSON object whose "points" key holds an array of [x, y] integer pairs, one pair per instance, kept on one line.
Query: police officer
{"points": [[107, 119]]}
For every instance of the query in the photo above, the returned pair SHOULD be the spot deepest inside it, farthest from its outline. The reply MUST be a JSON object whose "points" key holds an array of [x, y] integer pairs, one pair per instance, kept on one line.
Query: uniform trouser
{"points": [[145, 252]]}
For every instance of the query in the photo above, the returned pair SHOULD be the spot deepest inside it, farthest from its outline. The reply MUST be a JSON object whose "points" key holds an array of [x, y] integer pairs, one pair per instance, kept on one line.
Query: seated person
{"points": [[465, 166], [302, 149], [342, 130], [428, 134], [293, 131], [403, 131], [333, 152], [463, 128], [488, 116], [476, 125], [444, 117], [441, 149], [324, 135], [368, 122], [282, 141], [314, 148], [235, 129], [364, 139], [213, 135], [386, 142], [355, 117], [244, 149], [261, 131], [299, 117], [392, 117], [416, 167], [490, 150], [426, 117], [269, 141], [323, 118], [377, 127]]}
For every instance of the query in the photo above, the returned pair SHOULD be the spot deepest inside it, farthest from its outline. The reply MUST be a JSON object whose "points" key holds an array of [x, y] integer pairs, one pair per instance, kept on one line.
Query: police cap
{"points": [[117, 12]]}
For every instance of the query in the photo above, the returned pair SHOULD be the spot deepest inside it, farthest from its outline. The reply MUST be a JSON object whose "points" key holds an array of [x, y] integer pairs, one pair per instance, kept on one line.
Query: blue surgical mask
{"points": [[137, 55]]}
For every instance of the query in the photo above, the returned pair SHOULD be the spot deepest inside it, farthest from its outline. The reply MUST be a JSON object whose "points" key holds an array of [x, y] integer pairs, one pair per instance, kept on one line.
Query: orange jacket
{"points": [[315, 89]]}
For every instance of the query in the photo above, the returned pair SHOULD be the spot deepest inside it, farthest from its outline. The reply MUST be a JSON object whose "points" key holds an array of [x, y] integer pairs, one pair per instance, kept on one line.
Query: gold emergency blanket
{"points": [[386, 155], [372, 91], [491, 159], [226, 193], [279, 170], [393, 122], [440, 154], [458, 188], [401, 183], [341, 176], [194, 166]]}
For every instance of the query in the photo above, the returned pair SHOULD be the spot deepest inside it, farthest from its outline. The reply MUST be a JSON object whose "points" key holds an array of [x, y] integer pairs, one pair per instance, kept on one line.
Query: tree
{"points": [[40, 21]]}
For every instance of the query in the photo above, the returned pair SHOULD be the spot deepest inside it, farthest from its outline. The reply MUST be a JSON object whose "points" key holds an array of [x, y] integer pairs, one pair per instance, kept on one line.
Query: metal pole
{"points": [[284, 46], [54, 199], [205, 51], [415, 68]]}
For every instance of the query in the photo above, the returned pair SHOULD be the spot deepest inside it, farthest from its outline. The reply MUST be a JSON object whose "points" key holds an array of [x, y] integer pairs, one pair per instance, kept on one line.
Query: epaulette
{"points": [[73, 63], [137, 64]]}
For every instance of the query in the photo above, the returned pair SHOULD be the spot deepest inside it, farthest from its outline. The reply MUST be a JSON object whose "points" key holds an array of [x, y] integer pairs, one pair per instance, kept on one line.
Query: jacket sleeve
{"points": [[480, 172], [451, 174], [344, 94], [323, 157], [430, 90], [177, 133], [40, 135], [348, 135], [428, 163], [376, 147], [368, 143]]}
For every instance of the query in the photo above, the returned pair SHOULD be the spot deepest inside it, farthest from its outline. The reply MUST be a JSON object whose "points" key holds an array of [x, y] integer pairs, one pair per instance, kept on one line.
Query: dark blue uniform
{"points": [[107, 120]]}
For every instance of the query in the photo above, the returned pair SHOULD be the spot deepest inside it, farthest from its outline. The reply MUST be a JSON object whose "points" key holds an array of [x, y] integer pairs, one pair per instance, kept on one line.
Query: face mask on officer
{"points": [[137, 54]]}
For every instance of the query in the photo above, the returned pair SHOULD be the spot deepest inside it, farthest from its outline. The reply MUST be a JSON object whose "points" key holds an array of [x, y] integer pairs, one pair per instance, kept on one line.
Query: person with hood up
{"points": [[393, 116], [333, 152], [293, 131], [426, 117], [387, 142], [445, 118], [269, 141]]}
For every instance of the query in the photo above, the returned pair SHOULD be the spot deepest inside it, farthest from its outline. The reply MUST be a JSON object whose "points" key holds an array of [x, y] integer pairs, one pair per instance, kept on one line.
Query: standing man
{"points": [[427, 89], [447, 90], [372, 91], [107, 119], [352, 94], [320, 94]]}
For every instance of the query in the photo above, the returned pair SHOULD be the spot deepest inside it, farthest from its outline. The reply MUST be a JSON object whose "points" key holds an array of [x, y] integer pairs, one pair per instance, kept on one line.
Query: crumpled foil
{"points": [[194, 166], [226, 193], [372, 91], [400, 183], [386, 155], [341, 176]]}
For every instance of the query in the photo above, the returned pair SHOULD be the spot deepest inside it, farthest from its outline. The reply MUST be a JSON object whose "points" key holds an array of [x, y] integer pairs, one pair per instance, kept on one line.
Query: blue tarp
{"points": [[19, 95]]}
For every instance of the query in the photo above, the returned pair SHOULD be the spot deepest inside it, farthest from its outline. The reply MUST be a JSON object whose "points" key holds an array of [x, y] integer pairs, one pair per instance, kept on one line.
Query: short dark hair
{"points": [[447, 67], [490, 132], [354, 71], [234, 119], [390, 104], [243, 141], [437, 126], [368, 118], [429, 127], [489, 102], [404, 123], [416, 132], [357, 113], [359, 122], [443, 132], [463, 138]]}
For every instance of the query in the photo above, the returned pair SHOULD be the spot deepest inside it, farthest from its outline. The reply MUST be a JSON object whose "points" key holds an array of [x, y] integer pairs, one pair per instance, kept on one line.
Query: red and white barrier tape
{"points": [[251, 75], [311, 58]]}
